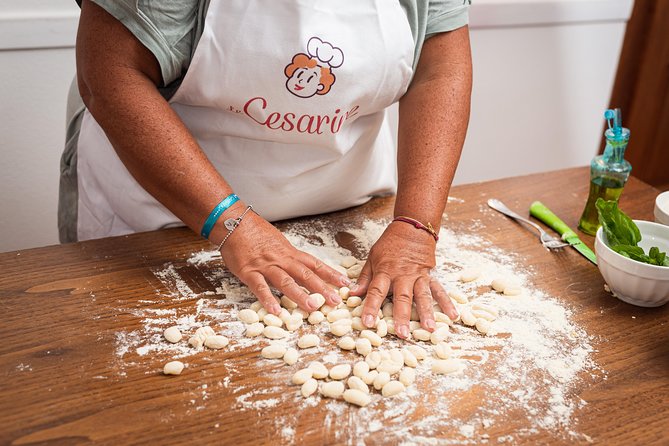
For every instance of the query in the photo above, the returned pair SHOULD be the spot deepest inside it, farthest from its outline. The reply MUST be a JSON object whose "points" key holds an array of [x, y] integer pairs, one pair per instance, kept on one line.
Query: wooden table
{"points": [[63, 308]]}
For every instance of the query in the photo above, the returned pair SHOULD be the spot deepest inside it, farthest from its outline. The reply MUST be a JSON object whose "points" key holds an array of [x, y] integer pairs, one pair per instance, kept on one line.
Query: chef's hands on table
{"points": [[399, 262]]}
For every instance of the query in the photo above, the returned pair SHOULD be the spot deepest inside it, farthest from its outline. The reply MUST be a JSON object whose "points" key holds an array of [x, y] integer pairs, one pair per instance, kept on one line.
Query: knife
{"points": [[540, 211]]}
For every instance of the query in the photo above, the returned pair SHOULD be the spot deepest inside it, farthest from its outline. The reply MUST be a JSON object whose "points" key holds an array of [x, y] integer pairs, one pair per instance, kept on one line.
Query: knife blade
{"points": [[539, 211]]}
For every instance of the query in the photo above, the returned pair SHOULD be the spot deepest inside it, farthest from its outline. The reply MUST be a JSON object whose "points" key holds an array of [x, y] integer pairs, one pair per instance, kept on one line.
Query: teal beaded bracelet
{"points": [[216, 212]]}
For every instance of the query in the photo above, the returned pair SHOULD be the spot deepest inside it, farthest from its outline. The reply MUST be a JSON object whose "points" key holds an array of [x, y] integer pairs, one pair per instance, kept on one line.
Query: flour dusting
{"points": [[529, 369]]}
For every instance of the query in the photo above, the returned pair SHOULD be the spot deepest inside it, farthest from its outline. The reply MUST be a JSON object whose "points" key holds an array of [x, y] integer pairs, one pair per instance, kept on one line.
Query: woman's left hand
{"points": [[401, 261]]}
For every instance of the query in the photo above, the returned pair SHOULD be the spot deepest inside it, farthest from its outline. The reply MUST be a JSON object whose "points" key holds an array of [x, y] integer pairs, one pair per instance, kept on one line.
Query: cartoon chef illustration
{"points": [[311, 74]]}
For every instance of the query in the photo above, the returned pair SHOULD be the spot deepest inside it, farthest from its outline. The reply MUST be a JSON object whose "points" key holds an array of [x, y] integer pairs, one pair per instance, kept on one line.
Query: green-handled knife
{"points": [[541, 212]]}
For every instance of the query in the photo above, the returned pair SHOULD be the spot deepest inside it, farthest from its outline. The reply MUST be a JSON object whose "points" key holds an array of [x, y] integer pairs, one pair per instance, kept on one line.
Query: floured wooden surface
{"points": [[527, 376]]}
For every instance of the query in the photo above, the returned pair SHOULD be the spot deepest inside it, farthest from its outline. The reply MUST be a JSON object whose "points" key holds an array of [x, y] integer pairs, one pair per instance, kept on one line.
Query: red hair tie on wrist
{"points": [[419, 225]]}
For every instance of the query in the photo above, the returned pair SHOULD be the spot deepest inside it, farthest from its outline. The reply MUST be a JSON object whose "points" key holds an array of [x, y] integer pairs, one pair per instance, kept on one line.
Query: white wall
{"points": [[539, 95], [36, 68]]}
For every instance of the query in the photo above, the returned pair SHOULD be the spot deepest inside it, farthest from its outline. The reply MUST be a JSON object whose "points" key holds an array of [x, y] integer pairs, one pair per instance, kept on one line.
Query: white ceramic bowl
{"points": [[662, 208], [635, 282]]}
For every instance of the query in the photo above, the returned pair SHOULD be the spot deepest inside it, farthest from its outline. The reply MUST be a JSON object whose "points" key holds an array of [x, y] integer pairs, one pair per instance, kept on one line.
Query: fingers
{"points": [[290, 288], [402, 297], [376, 293], [422, 296], [440, 295], [315, 284], [257, 284], [360, 288], [323, 271]]}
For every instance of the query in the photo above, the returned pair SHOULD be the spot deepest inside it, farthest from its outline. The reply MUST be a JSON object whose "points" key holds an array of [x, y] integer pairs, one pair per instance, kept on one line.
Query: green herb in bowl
{"points": [[623, 235]]}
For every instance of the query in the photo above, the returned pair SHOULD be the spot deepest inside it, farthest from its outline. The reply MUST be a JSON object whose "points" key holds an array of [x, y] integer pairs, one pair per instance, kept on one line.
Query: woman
{"points": [[283, 104]]}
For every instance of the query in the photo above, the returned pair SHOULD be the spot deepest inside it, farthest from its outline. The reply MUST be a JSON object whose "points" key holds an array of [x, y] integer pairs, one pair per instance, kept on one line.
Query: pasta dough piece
{"points": [[392, 388], [447, 366], [390, 367], [346, 343], [173, 368], [381, 380], [360, 369], [317, 299], [419, 352], [308, 341], [316, 318], [354, 271], [196, 341], [336, 315], [248, 316], [410, 359], [440, 334], [421, 335], [357, 397], [287, 303], [370, 377], [382, 328], [499, 284], [483, 326], [291, 356], [302, 376], [373, 360], [332, 389], [458, 296], [340, 327], [407, 376], [273, 351], [319, 370], [353, 301], [293, 323], [374, 339], [173, 334], [340, 371], [513, 290], [363, 346], [356, 383], [309, 387], [467, 317], [443, 350], [272, 332], [216, 342], [254, 330], [271, 320], [348, 261], [469, 274]]}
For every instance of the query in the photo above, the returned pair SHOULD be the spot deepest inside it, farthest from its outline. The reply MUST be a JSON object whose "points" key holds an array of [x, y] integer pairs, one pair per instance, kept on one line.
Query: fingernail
{"points": [[430, 324], [335, 297], [353, 287], [368, 320], [403, 331], [311, 303], [276, 310], [345, 281], [454, 315]]}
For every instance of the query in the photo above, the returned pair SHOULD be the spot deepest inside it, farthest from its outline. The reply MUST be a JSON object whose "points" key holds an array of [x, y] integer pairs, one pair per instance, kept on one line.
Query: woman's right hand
{"points": [[260, 256]]}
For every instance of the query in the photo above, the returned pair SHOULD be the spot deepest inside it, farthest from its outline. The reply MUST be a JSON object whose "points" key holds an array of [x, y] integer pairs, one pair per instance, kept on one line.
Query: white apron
{"points": [[288, 101]]}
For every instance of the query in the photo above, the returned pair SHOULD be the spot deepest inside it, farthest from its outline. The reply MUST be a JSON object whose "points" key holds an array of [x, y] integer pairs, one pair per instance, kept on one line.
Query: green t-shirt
{"points": [[170, 29]]}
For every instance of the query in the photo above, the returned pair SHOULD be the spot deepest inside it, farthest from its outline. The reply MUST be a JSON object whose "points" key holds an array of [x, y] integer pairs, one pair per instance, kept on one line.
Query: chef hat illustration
{"points": [[325, 52]]}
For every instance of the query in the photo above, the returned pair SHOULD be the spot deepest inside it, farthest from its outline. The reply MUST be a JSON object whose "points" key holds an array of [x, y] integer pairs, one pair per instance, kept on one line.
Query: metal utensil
{"points": [[547, 240], [540, 211]]}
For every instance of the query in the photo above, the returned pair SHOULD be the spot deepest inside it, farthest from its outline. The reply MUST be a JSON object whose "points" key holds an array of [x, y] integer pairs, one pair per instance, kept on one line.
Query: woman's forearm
{"points": [[117, 79], [434, 114]]}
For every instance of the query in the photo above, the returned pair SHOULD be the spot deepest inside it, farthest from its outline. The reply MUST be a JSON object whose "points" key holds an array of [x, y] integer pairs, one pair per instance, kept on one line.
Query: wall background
{"points": [[543, 72]]}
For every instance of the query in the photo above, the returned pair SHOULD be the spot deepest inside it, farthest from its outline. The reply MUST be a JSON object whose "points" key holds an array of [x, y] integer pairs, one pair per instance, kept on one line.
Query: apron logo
{"points": [[311, 74]]}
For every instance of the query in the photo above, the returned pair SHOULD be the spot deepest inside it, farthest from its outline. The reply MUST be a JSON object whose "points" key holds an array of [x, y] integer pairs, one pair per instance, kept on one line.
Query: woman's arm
{"points": [[434, 114], [118, 79]]}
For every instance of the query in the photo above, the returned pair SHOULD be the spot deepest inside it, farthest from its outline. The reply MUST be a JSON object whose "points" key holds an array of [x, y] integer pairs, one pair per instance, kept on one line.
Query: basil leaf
{"points": [[623, 235]]}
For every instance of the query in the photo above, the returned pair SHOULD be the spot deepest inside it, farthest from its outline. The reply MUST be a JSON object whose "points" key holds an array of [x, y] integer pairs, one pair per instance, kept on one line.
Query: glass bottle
{"points": [[608, 172]]}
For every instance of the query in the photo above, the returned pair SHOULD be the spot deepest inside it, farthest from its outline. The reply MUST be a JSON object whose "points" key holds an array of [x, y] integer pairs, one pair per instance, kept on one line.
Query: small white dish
{"points": [[662, 208], [635, 282]]}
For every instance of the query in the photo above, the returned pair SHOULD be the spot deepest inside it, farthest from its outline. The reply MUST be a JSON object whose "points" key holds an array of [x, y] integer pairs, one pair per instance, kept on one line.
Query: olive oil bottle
{"points": [[608, 172]]}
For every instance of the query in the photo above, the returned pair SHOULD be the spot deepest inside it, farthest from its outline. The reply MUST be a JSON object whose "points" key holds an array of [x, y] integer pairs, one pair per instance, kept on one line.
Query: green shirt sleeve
{"points": [[166, 27]]}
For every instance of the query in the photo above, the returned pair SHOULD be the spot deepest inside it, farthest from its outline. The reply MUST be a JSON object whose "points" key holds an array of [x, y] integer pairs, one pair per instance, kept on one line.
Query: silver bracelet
{"points": [[232, 223]]}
